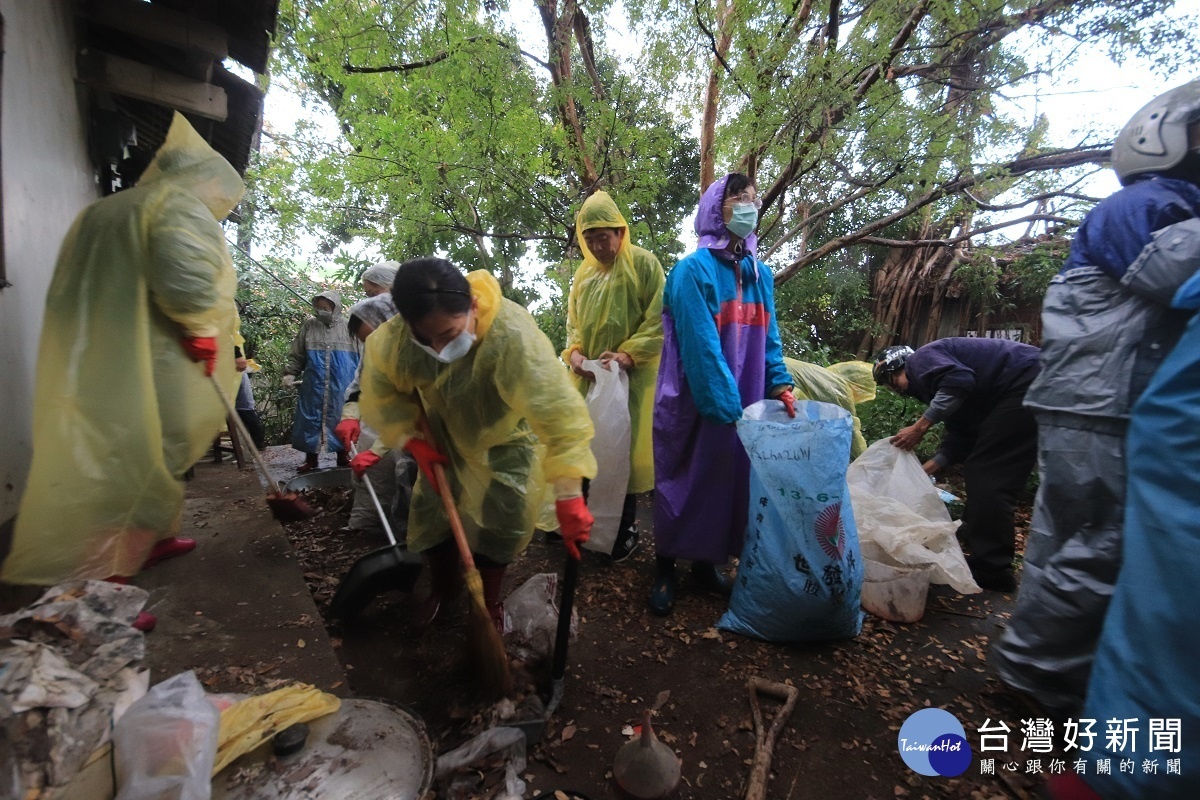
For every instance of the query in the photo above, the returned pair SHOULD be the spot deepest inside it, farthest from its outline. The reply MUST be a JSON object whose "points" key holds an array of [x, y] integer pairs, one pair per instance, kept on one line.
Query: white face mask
{"points": [[455, 349]]}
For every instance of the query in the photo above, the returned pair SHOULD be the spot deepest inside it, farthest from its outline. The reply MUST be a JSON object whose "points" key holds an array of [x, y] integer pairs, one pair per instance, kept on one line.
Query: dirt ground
{"points": [[841, 741]]}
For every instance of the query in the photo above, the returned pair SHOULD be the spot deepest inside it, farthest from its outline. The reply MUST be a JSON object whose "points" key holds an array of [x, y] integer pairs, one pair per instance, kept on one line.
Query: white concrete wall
{"points": [[48, 179]]}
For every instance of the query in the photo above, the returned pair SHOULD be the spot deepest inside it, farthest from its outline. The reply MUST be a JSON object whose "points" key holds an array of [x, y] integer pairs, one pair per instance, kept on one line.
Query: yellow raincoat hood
{"points": [[599, 211], [187, 162]]}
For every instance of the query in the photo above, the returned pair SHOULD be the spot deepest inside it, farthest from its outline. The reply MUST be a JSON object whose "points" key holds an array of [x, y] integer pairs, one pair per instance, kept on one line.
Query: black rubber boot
{"points": [[712, 578], [662, 593], [445, 576]]}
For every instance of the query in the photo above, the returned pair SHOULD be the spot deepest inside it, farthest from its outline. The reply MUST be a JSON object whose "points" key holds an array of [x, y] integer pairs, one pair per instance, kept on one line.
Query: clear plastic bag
{"points": [[608, 406], [901, 517], [531, 613], [493, 740], [166, 743]]}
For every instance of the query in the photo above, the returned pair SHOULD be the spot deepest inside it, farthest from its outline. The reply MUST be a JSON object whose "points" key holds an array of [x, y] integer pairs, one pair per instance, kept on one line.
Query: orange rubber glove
{"points": [[202, 348], [574, 523], [363, 462], [426, 455], [348, 431], [789, 401]]}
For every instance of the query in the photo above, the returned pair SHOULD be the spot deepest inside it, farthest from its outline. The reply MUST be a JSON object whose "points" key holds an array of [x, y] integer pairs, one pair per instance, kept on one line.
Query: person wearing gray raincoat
{"points": [[392, 472], [1107, 326], [325, 356], [378, 278]]}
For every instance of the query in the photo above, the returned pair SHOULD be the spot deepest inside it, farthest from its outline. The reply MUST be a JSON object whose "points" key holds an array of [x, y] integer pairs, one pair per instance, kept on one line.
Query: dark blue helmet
{"points": [[889, 362]]}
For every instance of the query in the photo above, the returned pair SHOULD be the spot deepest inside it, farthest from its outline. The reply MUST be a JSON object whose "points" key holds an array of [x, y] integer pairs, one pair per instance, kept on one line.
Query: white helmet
{"points": [[1157, 137]]}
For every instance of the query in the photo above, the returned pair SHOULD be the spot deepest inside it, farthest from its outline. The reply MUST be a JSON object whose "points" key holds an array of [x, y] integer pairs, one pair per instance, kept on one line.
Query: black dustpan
{"points": [[388, 569]]}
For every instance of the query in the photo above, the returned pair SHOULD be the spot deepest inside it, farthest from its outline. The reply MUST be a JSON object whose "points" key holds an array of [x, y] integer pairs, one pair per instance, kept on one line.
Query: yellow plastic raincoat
{"points": [[846, 385], [619, 309], [121, 411], [505, 414]]}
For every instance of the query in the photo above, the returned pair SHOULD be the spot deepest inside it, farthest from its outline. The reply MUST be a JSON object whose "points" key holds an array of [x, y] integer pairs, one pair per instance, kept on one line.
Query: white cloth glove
{"points": [[288, 381]]}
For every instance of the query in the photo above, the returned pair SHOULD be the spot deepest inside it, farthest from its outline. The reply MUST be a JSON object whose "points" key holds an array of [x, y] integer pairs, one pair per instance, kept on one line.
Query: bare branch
{"points": [[833, 116], [442, 56], [1031, 218], [525, 237], [982, 206], [1057, 159]]}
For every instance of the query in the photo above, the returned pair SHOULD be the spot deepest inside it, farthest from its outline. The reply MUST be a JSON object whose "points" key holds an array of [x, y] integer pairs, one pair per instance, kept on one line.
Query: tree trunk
{"points": [[712, 95], [910, 289], [559, 28]]}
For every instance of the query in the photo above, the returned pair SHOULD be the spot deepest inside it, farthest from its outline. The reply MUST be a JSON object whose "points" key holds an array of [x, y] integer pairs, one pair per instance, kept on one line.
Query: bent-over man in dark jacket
{"points": [[976, 387]]}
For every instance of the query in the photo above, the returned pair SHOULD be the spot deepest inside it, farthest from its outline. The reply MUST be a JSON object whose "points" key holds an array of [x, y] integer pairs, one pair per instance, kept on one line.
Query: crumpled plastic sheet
{"points": [[70, 665], [531, 617], [493, 740]]}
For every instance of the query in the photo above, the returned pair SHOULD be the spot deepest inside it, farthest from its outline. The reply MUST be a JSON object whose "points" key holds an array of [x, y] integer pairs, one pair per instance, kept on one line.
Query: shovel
{"points": [[386, 569], [534, 728]]}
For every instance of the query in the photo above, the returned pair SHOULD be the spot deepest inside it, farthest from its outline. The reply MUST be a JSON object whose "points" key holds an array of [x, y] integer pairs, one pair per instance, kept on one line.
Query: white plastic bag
{"points": [[608, 406], [166, 743], [901, 517]]}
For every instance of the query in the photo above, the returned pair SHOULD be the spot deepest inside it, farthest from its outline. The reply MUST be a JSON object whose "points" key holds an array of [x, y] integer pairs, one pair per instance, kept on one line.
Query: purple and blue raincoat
{"points": [[721, 353]]}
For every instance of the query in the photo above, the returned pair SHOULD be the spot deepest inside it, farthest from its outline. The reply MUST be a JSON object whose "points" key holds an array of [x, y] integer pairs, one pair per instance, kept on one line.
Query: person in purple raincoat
{"points": [[721, 353]]}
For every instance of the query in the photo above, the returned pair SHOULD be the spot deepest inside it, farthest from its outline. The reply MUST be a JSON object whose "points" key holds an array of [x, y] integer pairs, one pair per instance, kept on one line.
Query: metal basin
{"points": [[366, 751], [320, 479]]}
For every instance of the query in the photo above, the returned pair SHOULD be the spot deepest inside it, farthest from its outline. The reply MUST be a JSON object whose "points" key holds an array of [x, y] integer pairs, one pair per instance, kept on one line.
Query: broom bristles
{"points": [[485, 647], [289, 507]]}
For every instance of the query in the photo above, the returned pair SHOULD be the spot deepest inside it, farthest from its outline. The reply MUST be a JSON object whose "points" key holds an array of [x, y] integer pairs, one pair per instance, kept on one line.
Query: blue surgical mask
{"points": [[455, 349], [744, 220]]}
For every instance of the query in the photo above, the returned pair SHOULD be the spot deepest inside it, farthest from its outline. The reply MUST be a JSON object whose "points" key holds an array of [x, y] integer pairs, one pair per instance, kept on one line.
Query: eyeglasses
{"points": [[746, 197]]}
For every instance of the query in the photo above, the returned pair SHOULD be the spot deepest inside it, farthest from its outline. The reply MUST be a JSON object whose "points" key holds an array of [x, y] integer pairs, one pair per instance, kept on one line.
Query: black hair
{"points": [[353, 324], [735, 184], [425, 285]]}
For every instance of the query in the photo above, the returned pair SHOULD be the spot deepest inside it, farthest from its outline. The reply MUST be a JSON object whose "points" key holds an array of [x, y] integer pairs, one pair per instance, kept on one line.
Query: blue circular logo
{"points": [[932, 742]]}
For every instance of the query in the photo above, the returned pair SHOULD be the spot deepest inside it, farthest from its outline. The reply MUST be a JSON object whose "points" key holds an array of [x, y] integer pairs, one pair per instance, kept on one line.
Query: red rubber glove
{"points": [[574, 523], [202, 348], [426, 455], [789, 401], [348, 431], [363, 462]]}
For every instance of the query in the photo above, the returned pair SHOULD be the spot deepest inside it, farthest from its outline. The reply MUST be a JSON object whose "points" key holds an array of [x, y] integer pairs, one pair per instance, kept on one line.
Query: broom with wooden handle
{"points": [[485, 647], [285, 506]]}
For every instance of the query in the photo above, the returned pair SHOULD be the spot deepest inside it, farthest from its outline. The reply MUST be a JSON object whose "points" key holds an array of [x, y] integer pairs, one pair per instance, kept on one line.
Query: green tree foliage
{"points": [[453, 142], [885, 136]]}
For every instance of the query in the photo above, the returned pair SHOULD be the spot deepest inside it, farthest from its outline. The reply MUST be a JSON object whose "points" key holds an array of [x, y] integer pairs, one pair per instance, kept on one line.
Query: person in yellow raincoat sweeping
{"points": [[143, 288], [505, 419], [614, 313], [846, 384]]}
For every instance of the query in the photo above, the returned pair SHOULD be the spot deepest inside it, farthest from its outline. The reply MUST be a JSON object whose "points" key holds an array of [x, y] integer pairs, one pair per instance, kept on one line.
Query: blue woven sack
{"points": [[800, 575]]}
